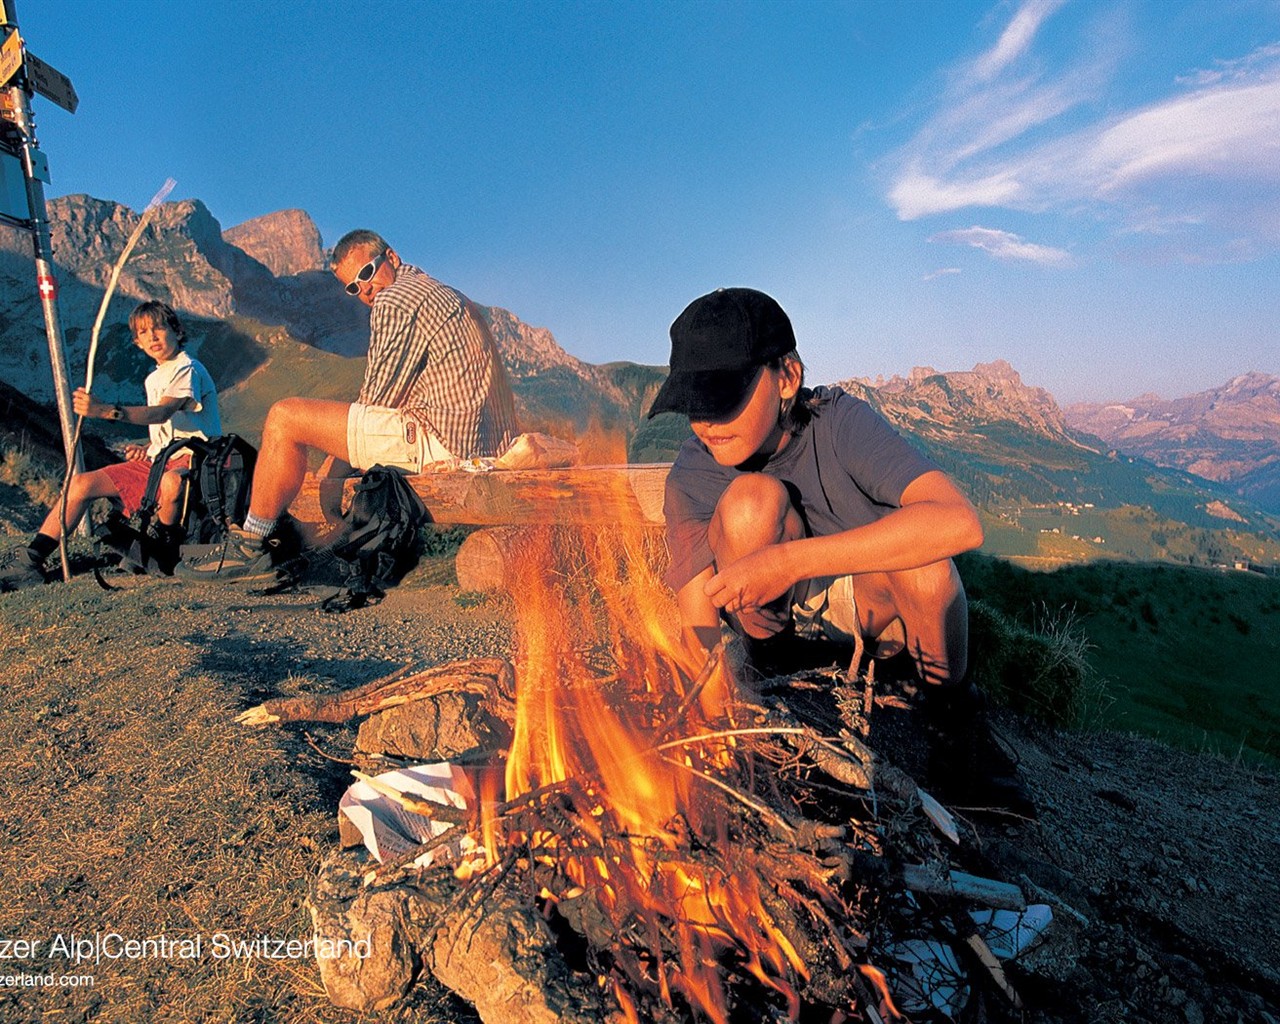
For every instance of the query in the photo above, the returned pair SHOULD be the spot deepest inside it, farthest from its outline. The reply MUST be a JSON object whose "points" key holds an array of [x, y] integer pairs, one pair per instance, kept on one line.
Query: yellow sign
{"points": [[10, 57]]}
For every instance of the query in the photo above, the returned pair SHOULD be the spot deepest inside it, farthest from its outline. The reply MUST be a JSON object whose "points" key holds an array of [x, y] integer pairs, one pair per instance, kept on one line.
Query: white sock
{"points": [[256, 527]]}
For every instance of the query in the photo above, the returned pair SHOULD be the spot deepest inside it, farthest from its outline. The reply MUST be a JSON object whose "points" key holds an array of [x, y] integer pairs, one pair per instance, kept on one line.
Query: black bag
{"points": [[379, 539], [215, 494]]}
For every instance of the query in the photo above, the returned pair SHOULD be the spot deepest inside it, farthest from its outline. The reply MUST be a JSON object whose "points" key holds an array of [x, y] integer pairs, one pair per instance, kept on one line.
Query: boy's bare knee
{"points": [[753, 508], [170, 484], [83, 486]]}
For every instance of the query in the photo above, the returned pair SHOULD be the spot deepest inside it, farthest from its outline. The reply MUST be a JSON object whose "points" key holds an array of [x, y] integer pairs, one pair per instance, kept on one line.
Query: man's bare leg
{"points": [[252, 552], [293, 426]]}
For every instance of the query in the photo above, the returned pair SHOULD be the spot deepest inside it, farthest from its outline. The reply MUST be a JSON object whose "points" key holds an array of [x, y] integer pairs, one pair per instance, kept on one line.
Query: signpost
{"points": [[52, 84], [22, 73], [10, 57]]}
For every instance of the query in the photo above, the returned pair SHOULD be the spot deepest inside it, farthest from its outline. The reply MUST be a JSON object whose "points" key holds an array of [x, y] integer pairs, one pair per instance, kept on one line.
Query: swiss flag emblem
{"points": [[48, 286]]}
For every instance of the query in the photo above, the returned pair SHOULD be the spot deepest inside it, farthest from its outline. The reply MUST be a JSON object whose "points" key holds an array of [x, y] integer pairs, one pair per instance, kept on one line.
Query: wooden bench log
{"points": [[494, 559], [581, 495]]}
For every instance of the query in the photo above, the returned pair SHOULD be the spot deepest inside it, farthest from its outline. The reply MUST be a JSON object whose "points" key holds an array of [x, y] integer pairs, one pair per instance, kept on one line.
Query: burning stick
{"points": [[489, 677]]}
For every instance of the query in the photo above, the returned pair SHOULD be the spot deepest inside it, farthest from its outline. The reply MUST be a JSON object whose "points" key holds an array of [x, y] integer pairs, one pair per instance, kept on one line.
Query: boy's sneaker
{"points": [[19, 567], [967, 763], [241, 558]]}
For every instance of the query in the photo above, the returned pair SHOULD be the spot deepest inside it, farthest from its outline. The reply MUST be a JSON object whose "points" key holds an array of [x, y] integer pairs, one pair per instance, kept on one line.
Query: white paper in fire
{"points": [[928, 977], [391, 830]]}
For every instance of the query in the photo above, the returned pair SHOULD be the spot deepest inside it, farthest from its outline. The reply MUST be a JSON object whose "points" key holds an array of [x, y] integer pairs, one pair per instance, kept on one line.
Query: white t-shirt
{"points": [[183, 377]]}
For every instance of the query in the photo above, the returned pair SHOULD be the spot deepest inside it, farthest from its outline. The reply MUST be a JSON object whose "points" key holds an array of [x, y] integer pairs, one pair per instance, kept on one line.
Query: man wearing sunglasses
{"points": [[434, 391]]}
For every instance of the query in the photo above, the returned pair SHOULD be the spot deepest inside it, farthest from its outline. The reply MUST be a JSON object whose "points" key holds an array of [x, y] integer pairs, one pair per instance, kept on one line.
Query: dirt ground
{"points": [[132, 806]]}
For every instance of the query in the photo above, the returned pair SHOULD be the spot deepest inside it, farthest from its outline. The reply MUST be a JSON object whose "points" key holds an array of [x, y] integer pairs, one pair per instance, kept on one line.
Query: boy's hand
{"points": [[135, 452], [85, 405], [751, 582]]}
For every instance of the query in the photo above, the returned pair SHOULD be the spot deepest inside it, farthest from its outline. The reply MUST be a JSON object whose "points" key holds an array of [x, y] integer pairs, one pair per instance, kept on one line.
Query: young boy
{"points": [[802, 512], [181, 402]]}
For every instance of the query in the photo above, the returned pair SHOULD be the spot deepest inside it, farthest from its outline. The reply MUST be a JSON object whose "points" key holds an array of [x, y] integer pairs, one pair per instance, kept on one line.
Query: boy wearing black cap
{"points": [[796, 510]]}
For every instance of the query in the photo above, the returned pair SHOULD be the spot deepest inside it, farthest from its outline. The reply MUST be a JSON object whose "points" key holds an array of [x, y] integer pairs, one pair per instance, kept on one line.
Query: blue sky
{"points": [[1090, 189]]}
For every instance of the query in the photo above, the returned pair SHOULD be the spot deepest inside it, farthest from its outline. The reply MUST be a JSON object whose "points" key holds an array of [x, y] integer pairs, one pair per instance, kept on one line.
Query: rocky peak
{"points": [[999, 370], [286, 242], [989, 393], [525, 349], [180, 259], [1247, 407]]}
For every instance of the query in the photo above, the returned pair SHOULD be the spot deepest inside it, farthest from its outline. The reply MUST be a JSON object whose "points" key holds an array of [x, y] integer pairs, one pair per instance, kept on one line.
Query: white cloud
{"points": [[1016, 38], [1007, 134], [1227, 132], [941, 272], [1004, 245], [917, 194]]}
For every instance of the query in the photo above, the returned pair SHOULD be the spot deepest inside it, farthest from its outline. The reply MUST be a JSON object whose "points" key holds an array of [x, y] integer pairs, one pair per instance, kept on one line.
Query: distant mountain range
{"points": [[267, 318], [1229, 434], [253, 294]]}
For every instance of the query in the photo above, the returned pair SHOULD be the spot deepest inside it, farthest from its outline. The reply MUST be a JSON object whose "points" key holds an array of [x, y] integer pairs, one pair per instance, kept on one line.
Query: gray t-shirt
{"points": [[847, 468]]}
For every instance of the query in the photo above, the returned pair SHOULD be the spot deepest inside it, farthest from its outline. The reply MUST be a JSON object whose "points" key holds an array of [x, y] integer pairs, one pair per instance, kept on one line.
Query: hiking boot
{"points": [[20, 567], [240, 558], [968, 765]]}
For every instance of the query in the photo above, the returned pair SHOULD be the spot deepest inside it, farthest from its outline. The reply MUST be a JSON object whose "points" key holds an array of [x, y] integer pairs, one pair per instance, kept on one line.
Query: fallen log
{"points": [[489, 677], [931, 879], [486, 560], [581, 495], [496, 558]]}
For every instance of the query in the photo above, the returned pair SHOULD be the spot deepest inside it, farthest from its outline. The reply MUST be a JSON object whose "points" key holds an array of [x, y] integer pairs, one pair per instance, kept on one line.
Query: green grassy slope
{"points": [[292, 368], [1192, 656]]}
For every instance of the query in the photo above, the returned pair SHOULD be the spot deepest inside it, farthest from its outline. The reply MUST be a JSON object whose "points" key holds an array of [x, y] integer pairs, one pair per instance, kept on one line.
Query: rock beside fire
{"points": [[500, 956], [439, 728], [370, 931], [503, 960]]}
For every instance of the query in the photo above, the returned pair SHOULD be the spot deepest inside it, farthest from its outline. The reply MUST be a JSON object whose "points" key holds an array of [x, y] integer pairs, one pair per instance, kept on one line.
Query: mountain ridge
{"points": [[1229, 434], [268, 320]]}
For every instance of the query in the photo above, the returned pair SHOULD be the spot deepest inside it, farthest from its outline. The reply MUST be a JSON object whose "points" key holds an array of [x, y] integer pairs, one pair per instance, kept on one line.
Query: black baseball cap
{"points": [[718, 345]]}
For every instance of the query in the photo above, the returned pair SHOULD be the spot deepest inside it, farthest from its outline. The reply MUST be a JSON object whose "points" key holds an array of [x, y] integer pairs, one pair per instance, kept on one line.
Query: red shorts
{"points": [[130, 479]]}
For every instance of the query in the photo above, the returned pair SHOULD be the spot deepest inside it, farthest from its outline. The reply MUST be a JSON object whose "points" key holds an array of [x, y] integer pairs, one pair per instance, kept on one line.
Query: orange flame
{"points": [[877, 978], [599, 664]]}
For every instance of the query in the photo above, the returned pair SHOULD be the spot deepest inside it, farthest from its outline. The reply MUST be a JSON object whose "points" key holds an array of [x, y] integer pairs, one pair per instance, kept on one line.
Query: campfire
{"points": [[691, 844]]}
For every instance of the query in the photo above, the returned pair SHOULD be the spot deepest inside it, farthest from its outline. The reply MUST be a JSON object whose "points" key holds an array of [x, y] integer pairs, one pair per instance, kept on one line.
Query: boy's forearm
{"points": [[907, 538], [138, 415], [147, 415]]}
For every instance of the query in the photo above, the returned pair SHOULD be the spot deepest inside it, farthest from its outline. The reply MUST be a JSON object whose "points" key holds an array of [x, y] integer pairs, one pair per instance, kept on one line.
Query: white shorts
{"points": [[825, 608], [377, 436]]}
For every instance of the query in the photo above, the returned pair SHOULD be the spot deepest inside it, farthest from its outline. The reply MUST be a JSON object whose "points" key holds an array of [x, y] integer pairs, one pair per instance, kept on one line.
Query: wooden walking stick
{"points": [[145, 219]]}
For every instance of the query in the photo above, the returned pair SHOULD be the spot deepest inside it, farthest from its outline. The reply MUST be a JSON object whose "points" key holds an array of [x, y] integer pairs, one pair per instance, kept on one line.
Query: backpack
{"points": [[379, 538], [215, 494]]}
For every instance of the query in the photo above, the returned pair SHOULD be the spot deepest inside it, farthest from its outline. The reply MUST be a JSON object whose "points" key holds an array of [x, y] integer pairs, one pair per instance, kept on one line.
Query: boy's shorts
{"points": [[387, 437], [825, 609], [130, 478]]}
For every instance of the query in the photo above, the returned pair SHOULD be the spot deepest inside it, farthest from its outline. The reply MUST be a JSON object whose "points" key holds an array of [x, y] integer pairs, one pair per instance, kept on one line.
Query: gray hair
{"points": [[360, 238]]}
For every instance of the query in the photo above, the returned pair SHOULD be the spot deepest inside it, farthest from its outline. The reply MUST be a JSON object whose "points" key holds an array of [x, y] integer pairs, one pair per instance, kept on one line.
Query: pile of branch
{"points": [[819, 853]]}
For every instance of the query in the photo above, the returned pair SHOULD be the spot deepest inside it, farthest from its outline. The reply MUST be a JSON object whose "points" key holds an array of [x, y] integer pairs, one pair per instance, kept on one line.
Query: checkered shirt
{"points": [[432, 356]]}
